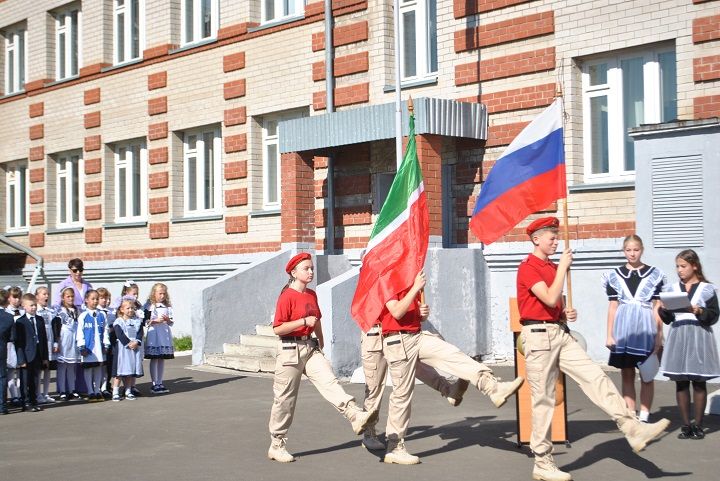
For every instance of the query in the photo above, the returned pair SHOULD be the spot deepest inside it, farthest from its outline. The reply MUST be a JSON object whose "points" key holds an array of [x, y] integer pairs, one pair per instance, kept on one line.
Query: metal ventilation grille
{"points": [[677, 201]]}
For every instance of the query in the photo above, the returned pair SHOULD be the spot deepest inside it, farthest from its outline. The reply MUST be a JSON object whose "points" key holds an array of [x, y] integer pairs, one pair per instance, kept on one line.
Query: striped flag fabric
{"points": [[527, 177], [398, 243]]}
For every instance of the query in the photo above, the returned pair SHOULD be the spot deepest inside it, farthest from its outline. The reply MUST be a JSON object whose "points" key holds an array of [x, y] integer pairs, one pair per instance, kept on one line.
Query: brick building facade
{"points": [[139, 132]]}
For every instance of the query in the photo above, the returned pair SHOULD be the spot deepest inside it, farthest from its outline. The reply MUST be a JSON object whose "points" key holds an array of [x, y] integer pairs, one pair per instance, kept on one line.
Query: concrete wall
{"points": [[235, 303]]}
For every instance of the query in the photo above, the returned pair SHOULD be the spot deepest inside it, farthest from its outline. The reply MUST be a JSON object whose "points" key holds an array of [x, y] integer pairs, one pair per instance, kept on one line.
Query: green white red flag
{"points": [[398, 243]]}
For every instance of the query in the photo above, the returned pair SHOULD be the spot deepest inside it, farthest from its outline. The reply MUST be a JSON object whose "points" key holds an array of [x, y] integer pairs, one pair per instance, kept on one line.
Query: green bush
{"points": [[182, 343]]}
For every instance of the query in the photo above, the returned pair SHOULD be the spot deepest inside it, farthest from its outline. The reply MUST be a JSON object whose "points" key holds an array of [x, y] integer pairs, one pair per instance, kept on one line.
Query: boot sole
{"points": [[391, 461], [369, 421], [662, 425], [501, 402], [271, 458], [538, 477]]}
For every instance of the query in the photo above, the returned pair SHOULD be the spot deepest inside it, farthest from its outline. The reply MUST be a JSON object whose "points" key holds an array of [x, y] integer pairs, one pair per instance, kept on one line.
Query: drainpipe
{"points": [[330, 106], [39, 262]]}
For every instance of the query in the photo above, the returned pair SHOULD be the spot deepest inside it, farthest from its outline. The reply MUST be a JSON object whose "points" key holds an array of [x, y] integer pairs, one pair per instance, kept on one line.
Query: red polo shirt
{"points": [[410, 322], [293, 305], [531, 271]]}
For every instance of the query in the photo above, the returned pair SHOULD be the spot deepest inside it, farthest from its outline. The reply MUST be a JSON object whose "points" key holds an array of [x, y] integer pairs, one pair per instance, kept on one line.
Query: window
{"points": [[620, 93], [278, 9], [201, 155], [15, 60], [67, 43], [129, 28], [418, 38], [271, 131], [271, 164], [68, 190], [200, 20], [16, 189], [130, 182]]}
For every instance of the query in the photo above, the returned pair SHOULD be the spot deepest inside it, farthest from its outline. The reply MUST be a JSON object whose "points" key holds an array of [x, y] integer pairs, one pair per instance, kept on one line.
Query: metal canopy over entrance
{"points": [[377, 122]]}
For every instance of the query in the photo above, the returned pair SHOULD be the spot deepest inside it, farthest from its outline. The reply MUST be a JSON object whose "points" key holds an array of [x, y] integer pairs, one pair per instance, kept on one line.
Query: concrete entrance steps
{"points": [[254, 353]]}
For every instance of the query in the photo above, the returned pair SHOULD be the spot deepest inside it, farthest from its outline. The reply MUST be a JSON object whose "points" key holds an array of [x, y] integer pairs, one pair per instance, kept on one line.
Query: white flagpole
{"points": [[398, 95]]}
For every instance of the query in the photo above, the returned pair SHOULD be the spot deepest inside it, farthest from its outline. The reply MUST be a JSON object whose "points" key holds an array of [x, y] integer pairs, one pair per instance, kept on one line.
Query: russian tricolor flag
{"points": [[527, 177]]}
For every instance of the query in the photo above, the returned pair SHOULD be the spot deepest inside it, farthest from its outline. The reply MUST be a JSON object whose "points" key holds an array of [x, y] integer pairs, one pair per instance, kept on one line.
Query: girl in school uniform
{"points": [[14, 308], [130, 290], [128, 349], [104, 300], [92, 341], [690, 351], [159, 341], [634, 330], [297, 316], [42, 294], [65, 326]]}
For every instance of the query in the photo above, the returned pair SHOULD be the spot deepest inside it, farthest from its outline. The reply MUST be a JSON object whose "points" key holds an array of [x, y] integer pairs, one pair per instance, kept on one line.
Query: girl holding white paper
{"points": [[634, 330], [690, 352]]}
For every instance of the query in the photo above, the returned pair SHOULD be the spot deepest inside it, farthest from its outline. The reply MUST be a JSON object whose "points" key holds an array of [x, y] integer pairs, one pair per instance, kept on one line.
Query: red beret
{"points": [[542, 223], [303, 256]]}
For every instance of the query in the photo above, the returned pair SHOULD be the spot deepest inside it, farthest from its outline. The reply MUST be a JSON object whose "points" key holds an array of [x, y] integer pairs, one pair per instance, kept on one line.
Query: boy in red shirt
{"points": [[549, 349]]}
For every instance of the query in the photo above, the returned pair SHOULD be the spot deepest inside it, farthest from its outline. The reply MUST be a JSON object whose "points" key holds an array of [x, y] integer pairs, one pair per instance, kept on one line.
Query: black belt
{"points": [[395, 333], [530, 322], [294, 338]]}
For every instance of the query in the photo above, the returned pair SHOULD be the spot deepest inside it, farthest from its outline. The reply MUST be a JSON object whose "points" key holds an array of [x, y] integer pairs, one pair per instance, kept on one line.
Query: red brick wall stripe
{"points": [[706, 68], [36, 153], [349, 95], [346, 65], [91, 96], [503, 32], [37, 175], [36, 132], [158, 131], [234, 89], [158, 180], [158, 205], [236, 170], [235, 143], [236, 224], [504, 134], [463, 8], [515, 99], [236, 116], [706, 29], [37, 196], [344, 35], [236, 197], [508, 66], [234, 61], [92, 143], [92, 120], [157, 80], [37, 218], [158, 155], [339, 7], [93, 235], [93, 166], [706, 107], [36, 109], [157, 105]]}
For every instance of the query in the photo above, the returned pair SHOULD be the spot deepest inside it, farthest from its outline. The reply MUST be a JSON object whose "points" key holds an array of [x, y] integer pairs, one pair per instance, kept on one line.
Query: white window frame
{"points": [[17, 205], [64, 49], [15, 44], [125, 31], [197, 23], [67, 167], [282, 10], [196, 151], [423, 40], [613, 90], [126, 169], [269, 139]]}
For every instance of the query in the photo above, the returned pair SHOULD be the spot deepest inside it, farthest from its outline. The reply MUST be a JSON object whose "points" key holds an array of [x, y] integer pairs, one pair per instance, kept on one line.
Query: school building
{"points": [[202, 142]]}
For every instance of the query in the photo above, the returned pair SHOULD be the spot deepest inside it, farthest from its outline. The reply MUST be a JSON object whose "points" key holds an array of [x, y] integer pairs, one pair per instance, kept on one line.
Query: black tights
{"points": [[682, 393]]}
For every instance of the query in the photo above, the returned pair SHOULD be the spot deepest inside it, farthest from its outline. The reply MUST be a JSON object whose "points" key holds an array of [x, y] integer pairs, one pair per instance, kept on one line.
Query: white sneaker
{"points": [[397, 454], [49, 399], [278, 452], [370, 440], [130, 396]]}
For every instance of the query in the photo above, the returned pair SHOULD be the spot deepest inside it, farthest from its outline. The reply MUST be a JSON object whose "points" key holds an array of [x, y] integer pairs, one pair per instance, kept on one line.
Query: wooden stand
{"points": [[524, 405]]}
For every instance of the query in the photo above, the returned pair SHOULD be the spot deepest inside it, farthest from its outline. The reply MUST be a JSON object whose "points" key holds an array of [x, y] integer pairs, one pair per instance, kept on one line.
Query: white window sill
{"points": [[192, 45], [65, 230], [265, 213], [412, 83], [13, 94], [621, 184], [196, 218], [16, 233], [124, 225], [123, 64], [62, 80], [277, 21]]}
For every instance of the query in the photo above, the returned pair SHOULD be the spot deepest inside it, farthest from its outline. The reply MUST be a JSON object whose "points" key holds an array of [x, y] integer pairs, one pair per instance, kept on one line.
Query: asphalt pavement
{"points": [[213, 426]]}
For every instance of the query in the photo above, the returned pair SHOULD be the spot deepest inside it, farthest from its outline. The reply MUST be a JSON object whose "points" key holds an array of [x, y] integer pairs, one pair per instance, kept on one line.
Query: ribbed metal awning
{"points": [[377, 122]]}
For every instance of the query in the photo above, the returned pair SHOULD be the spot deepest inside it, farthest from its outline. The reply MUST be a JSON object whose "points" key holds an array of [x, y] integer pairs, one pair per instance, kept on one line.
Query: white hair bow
{"points": [[129, 283]]}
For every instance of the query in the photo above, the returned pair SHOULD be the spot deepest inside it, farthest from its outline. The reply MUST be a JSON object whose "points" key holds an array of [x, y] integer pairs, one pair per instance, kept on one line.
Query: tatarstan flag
{"points": [[398, 243]]}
